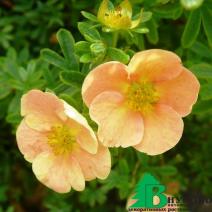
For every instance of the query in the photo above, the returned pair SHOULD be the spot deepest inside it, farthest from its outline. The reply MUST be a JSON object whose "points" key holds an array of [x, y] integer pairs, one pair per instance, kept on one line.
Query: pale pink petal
{"points": [[121, 128], [58, 173], [154, 65], [40, 107], [40, 123], [111, 76], [87, 141], [30, 142], [117, 125], [93, 166], [85, 135], [180, 93], [163, 130], [75, 175], [102, 106], [48, 171]]}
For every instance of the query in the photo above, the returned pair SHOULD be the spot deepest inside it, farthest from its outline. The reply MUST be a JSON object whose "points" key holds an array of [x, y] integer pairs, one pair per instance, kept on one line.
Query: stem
{"points": [[134, 173], [115, 38]]}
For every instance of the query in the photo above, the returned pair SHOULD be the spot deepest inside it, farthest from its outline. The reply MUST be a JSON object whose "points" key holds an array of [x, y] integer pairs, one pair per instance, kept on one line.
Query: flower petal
{"points": [[86, 137], [87, 141], [58, 173], [163, 130], [76, 176], [104, 104], [137, 21], [117, 18], [126, 8], [154, 65], [30, 142], [180, 93], [48, 171], [111, 76], [93, 166], [121, 128], [40, 107], [103, 9]]}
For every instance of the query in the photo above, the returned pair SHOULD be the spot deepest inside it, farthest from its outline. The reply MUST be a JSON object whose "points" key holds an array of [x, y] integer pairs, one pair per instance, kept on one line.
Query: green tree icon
{"points": [[146, 189]]}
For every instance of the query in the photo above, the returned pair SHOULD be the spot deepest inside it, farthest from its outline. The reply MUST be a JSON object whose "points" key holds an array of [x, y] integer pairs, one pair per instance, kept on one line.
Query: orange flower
{"points": [[60, 144], [142, 104]]}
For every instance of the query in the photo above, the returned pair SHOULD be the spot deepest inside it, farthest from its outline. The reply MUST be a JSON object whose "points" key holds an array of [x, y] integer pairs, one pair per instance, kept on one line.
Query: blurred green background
{"points": [[28, 26]]}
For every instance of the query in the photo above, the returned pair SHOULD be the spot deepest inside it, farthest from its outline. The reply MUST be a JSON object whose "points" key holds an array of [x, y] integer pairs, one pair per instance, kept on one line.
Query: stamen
{"points": [[61, 139], [142, 96]]}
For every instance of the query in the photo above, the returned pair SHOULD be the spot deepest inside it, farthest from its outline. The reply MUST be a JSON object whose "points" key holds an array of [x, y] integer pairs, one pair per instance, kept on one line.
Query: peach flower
{"points": [[59, 143], [142, 104]]}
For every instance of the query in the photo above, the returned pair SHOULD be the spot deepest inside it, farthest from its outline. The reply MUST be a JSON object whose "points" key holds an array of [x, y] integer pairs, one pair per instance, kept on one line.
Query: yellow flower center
{"points": [[142, 96], [61, 139], [115, 19]]}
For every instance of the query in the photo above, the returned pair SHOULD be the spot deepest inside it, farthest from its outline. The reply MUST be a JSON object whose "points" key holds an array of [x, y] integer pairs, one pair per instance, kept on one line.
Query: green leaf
{"points": [[93, 198], [4, 91], [98, 48], [23, 55], [118, 55], [10, 209], [4, 105], [14, 106], [191, 4], [66, 42], [117, 180], [203, 107], [153, 32], [201, 50], [168, 11], [11, 53], [89, 33], [192, 29], [89, 16], [72, 78], [146, 16], [141, 30], [123, 167], [139, 41], [31, 67], [207, 23], [202, 71], [82, 47], [86, 58], [167, 170], [53, 58], [206, 91], [22, 73], [49, 77], [3, 193], [13, 118]]}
